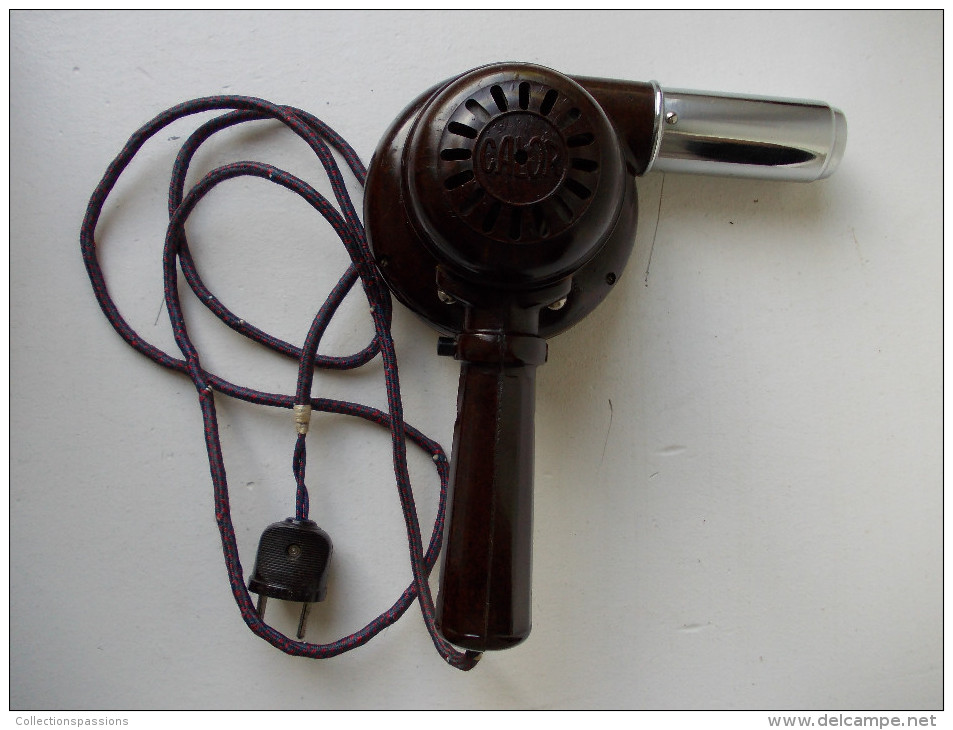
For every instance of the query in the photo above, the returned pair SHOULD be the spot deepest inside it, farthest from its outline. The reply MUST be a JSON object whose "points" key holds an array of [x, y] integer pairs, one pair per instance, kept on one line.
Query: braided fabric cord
{"points": [[177, 257]]}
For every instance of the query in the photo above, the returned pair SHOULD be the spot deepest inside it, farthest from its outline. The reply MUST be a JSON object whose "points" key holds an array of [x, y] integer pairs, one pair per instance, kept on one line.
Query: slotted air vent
{"points": [[519, 162]]}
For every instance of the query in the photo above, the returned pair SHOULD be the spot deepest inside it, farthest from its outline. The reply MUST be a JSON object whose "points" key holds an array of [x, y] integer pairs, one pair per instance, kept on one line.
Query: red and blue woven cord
{"points": [[176, 257]]}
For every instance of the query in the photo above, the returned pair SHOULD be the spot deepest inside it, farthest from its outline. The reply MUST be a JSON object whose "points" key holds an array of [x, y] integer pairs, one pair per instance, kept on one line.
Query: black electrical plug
{"points": [[292, 565]]}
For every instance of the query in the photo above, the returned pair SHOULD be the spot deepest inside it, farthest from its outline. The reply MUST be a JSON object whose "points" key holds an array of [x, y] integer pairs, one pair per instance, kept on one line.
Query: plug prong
{"points": [[303, 621], [260, 606]]}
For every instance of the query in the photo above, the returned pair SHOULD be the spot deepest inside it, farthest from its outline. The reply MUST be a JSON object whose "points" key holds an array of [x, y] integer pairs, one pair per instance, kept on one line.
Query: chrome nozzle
{"points": [[746, 136]]}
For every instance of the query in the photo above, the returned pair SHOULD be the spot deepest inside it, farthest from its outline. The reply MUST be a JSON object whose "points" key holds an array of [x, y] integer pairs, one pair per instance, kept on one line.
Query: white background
{"points": [[755, 520]]}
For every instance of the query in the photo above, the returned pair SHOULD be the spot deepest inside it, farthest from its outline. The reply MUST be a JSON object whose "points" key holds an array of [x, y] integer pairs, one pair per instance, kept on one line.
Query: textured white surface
{"points": [[738, 497]]}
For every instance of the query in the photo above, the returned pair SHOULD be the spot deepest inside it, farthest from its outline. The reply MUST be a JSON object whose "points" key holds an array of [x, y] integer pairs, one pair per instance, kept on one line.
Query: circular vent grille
{"points": [[519, 161]]}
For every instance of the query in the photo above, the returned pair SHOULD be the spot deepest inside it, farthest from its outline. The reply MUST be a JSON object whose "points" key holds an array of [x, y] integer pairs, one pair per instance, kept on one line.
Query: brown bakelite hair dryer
{"points": [[501, 208]]}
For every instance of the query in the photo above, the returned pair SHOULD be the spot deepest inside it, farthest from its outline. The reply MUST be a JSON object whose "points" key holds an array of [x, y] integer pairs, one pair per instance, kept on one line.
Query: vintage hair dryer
{"points": [[501, 208]]}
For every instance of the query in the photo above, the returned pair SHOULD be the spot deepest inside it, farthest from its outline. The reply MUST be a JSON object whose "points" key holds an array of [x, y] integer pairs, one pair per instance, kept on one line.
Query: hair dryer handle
{"points": [[484, 601]]}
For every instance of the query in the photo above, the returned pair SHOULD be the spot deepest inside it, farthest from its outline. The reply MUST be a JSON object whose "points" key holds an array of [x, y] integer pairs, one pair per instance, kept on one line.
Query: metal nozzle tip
{"points": [[838, 144]]}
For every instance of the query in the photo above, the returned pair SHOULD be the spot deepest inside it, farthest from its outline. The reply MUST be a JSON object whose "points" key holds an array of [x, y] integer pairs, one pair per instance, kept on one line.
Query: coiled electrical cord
{"points": [[176, 256]]}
